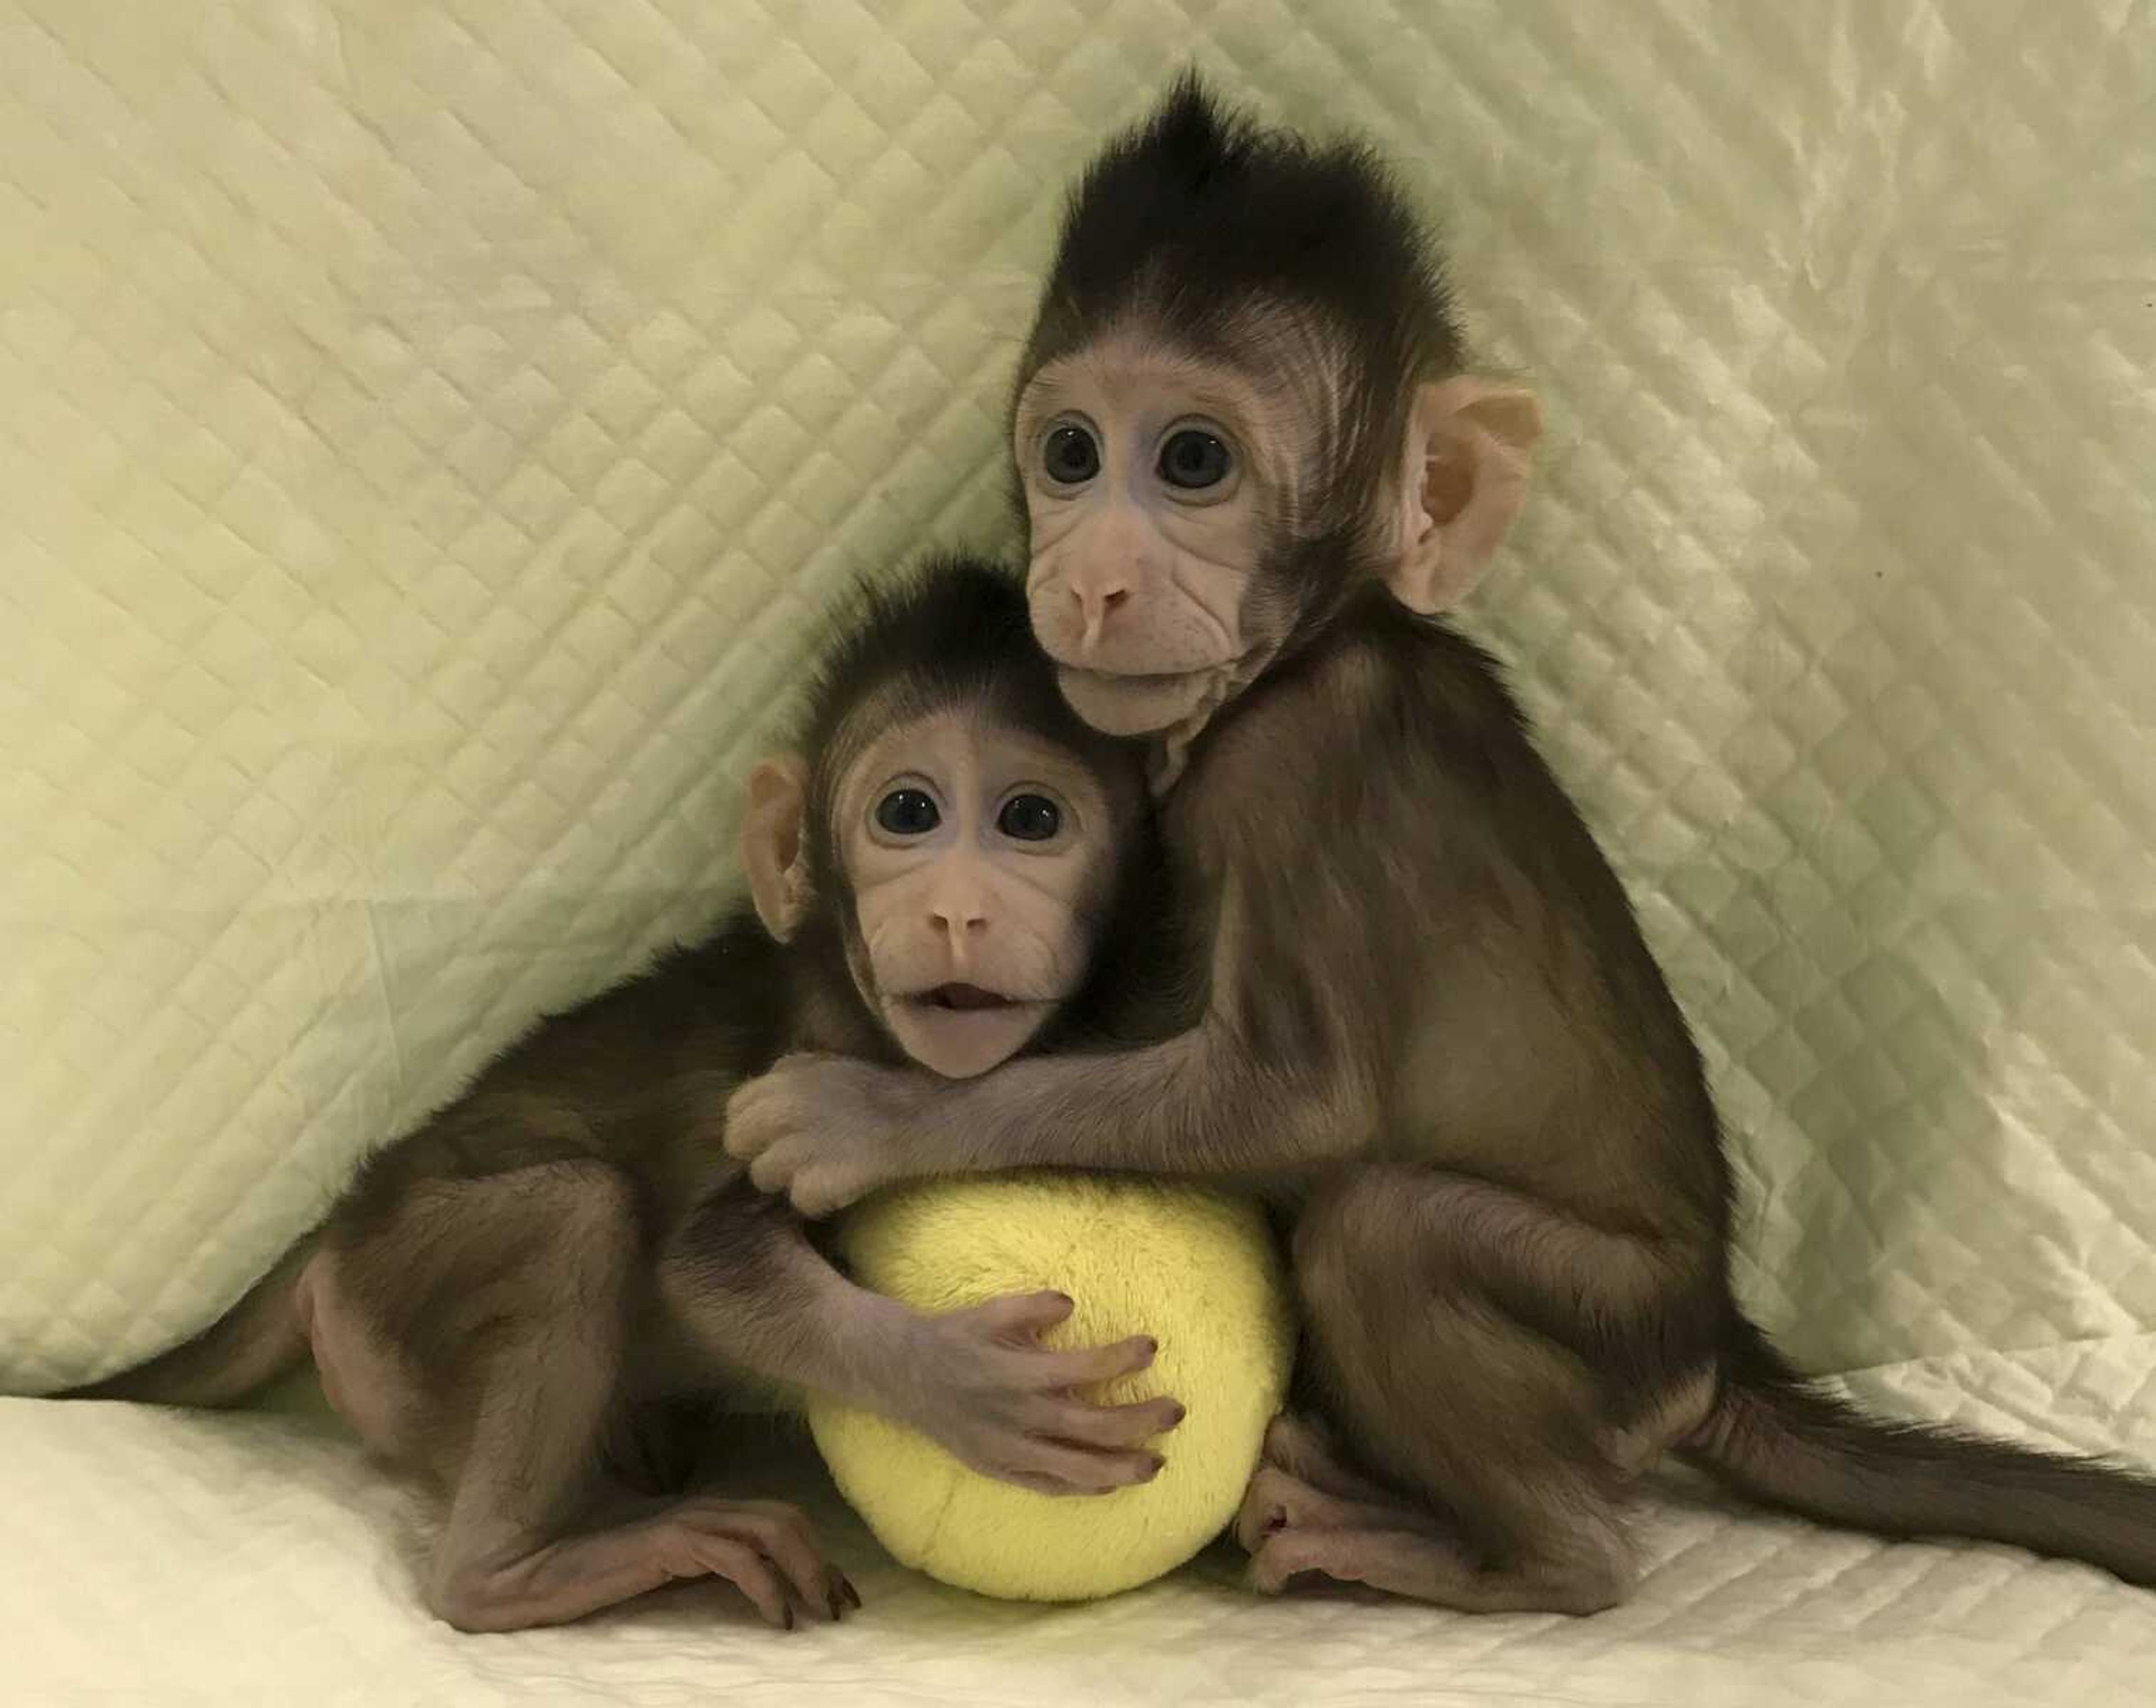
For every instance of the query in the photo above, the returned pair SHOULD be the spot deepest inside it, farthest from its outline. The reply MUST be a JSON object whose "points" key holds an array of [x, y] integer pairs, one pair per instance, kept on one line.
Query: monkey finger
{"points": [[1081, 1470], [1049, 1486], [746, 1137], [818, 1192], [1110, 1426], [1081, 1366], [773, 1172], [756, 1118], [1023, 1314]]}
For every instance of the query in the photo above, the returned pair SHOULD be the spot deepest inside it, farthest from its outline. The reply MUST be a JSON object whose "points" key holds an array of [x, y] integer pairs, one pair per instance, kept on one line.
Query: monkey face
{"points": [[1152, 481], [980, 860]]}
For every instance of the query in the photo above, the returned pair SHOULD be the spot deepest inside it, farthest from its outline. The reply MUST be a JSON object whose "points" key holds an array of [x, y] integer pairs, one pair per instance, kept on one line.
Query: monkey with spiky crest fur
{"points": [[532, 1301], [1256, 471]]}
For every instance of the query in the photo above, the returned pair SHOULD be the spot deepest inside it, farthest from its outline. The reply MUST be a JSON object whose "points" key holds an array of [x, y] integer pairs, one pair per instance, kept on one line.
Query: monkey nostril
{"points": [[1094, 606], [1101, 600]]}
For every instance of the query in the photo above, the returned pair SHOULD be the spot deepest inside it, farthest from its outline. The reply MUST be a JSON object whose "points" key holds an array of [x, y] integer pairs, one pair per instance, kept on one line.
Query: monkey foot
{"points": [[1308, 1514], [1297, 1534], [765, 1549], [1421, 1566], [1429, 1568], [1278, 1503]]}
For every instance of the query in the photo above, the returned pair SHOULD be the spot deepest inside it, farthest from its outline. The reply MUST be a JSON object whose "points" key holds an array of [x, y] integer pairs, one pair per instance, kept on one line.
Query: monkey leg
{"points": [[476, 1331], [1495, 1431]]}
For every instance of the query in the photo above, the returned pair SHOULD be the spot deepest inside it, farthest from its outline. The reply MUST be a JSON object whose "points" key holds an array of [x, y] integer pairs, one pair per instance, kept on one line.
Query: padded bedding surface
{"points": [[257, 1560], [428, 432]]}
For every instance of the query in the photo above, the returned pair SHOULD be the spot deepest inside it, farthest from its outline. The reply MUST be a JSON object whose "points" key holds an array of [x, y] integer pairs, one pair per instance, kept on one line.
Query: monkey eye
{"points": [[1070, 456], [1029, 818], [1193, 459], [907, 813]]}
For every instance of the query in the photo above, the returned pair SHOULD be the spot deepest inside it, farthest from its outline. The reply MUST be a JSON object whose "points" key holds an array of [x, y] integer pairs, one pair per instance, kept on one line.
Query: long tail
{"points": [[1774, 1436], [261, 1336]]}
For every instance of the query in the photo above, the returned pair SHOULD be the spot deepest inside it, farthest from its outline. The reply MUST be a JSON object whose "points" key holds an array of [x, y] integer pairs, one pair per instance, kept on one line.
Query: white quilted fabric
{"points": [[425, 424]]}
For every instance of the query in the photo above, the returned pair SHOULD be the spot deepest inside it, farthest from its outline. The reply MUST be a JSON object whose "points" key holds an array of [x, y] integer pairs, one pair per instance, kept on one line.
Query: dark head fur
{"points": [[953, 631], [1198, 211], [1204, 227]]}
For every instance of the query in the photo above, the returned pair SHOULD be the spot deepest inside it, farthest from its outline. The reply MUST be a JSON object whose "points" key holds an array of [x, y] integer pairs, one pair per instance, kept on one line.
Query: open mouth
{"points": [[964, 998]]}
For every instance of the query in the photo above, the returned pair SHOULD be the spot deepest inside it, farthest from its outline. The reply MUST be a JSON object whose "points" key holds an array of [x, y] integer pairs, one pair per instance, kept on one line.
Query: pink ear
{"points": [[771, 843], [1469, 444]]}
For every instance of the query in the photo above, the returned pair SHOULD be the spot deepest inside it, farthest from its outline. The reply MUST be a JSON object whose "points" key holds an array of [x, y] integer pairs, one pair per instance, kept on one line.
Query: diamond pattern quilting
{"points": [[430, 431]]}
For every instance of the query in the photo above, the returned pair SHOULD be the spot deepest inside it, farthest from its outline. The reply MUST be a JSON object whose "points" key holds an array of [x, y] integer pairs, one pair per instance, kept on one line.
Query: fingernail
{"points": [[837, 1610], [789, 1619], [853, 1594], [1066, 1300], [1158, 1465], [1180, 1414], [1151, 1346]]}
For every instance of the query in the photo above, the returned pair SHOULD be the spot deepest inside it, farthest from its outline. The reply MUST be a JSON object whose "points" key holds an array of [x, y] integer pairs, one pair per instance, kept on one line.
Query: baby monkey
{"points": [[1408, 1001], [530, 1300]]}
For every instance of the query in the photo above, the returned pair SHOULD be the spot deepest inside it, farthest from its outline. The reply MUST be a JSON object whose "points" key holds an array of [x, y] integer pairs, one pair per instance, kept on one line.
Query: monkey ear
{"points": [[1469, 443], [772, 843]]}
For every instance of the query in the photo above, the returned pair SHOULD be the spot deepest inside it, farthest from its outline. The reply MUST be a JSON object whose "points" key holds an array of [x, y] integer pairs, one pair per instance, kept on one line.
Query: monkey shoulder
{"points": [[619, 1077], [1384, 708], [715, 1001]]}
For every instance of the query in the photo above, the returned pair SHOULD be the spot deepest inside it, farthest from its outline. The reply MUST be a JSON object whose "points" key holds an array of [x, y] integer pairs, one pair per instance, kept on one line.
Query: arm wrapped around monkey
{"points": [[1257, 470]]}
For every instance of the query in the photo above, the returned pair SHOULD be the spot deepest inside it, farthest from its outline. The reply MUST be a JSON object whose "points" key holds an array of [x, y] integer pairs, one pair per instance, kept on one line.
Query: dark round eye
{"points": [[907, 813], [1029, 818], [1070, 456], [1193, 459]]}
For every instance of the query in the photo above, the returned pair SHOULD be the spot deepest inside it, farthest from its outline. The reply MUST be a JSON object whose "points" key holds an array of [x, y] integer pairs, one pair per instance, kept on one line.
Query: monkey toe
{"points": [[699, 1554], [1277, 1501], [1267, 1507], [782, 1538], [1304, 1447]]}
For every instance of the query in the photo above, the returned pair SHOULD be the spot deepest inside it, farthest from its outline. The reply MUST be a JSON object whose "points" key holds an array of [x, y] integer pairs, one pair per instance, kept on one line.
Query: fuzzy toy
{"points": [[1192, 1269]]}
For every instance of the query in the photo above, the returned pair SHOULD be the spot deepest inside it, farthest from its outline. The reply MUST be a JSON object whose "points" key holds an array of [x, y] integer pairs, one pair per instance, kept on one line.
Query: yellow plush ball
{"points": [[1192, 1269]]}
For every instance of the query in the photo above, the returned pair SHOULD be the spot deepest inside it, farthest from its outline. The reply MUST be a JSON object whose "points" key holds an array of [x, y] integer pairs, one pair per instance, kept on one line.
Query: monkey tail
{"points": [[262, 1336], [1777, 1438]]}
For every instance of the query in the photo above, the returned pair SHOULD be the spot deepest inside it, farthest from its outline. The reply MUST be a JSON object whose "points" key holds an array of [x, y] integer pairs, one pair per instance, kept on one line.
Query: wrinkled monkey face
{"points": [[981, 862], [1152, 481]]}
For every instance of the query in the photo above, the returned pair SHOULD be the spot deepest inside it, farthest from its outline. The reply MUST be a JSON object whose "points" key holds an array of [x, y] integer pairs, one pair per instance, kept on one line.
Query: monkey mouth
{"points": [[958, 1029], [1136, 681], [963, 998], [1139, 704]]}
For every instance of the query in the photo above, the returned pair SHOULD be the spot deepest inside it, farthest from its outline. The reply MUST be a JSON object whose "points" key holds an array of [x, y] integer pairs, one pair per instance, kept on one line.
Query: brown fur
{"points": [[1429, 1028], [529, 1303]]}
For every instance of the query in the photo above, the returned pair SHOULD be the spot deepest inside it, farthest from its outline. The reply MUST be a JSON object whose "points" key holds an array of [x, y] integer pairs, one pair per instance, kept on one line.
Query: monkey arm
{"points": [[827, 1130], [742, 1275]]}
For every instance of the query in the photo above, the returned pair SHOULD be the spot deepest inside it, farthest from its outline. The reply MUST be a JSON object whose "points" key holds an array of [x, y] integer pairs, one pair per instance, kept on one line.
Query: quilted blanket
{"points": [[427, 425]]}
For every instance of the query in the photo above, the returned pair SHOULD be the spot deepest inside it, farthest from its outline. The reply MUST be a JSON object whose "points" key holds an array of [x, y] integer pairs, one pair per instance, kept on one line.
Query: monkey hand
{"points": [[993, 1396], [826, 1129]]}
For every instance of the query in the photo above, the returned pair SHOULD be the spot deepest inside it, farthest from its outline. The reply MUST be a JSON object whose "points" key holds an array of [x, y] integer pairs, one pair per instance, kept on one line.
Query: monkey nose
{"points": [[1096, 605], [959, 921]]}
